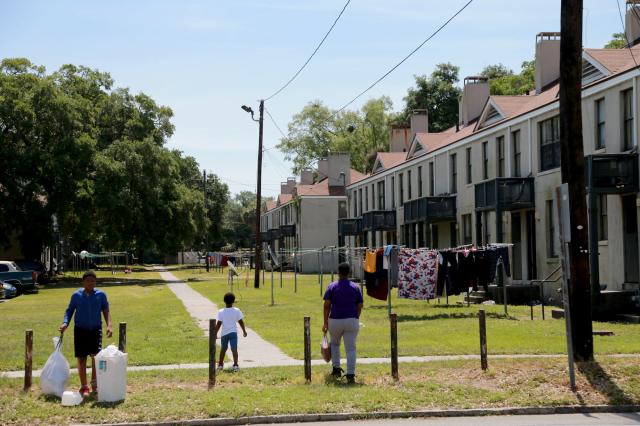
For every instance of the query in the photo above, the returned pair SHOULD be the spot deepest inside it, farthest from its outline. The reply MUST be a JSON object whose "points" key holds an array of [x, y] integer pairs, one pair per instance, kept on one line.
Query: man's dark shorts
{"points": [[86, 342]]}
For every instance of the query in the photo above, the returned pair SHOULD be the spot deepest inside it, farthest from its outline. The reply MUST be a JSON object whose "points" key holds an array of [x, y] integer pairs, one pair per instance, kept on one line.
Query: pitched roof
{"points": [[356, 176], [270, 205], [284, 198], [391, 159], [616, 60], [320, 188]]}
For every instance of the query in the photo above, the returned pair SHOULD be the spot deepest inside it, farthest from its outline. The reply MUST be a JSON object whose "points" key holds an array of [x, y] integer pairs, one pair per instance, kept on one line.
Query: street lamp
{"points": [[258, 249]]}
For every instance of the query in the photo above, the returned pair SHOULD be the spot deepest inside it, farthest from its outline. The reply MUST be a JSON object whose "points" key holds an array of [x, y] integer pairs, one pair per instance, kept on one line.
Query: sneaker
{"points": [[235, 368], [220, 367], [84, 391], [94, 387], [337, 372], [351, 379]]}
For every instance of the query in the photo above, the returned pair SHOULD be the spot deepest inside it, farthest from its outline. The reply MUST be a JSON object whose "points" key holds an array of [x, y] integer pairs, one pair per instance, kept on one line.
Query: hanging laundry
{"points": [[495, 254], [418, 273], [370, 261], [378, 282]]}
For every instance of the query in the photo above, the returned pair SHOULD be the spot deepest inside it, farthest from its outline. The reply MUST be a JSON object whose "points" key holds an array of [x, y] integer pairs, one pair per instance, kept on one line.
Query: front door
{"points": [[516, 239], [630, 238]]}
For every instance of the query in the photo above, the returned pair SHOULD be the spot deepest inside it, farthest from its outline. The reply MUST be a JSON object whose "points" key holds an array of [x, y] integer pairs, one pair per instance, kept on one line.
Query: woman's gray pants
{"points": [[348, 329]]}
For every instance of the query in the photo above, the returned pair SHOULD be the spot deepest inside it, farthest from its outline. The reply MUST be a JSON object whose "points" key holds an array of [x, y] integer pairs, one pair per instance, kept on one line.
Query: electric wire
{"points": [[312, 55], [625, 33], [406, 57], [275, 124]]}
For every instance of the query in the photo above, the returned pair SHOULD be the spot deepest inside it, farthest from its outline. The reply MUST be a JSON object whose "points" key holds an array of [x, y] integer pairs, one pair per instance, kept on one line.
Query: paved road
{"points": [[253, 350], [523, 420]]}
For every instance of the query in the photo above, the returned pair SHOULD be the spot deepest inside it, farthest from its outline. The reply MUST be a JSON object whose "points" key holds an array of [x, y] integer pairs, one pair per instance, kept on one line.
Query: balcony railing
{"points": [[348, 227], [265, 237], [274, 234], [430, 209], [288, 230], [379, 220], [505, 194], [612, 173]]}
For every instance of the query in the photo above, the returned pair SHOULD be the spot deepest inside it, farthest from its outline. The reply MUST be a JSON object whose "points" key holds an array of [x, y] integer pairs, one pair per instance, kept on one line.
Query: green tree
{"points": [[503, 81], [618, 41], [437, 94]]}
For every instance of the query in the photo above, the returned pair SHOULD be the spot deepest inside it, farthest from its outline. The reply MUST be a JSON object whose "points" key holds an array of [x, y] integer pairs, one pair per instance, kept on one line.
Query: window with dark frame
{"points": [[393, 192], [366, 198], [549, 131], [500, 156], [352, 199], [551, 230], [469, 169], [600, 124], [485, 228], [432, 177], [401, 189], [420, 181], [373, 196], [515, 144], [466, 229], [453, 185], [627, 119], [381, 205], [485, 160], [360, 201], [603, 228], [408, 185]]}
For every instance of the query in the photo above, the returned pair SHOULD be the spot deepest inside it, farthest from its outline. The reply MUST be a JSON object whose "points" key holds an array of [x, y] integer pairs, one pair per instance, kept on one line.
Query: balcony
{"points": [[288, 230], [348, 227], [505, 194], [430, 209], [264, 236], [379, 220], [612, 173], [274, 234]]}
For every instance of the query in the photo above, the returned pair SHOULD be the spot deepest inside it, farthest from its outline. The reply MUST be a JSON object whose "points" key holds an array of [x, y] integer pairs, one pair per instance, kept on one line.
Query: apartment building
{"points": [[305, 213], [493, 176]]}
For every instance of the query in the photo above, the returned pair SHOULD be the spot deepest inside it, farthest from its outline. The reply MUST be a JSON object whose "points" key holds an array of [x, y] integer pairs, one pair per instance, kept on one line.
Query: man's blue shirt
{"points": [[88, 308]]}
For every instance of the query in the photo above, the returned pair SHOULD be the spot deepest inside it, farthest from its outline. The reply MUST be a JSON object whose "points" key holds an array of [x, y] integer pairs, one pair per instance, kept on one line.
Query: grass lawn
{"points": [[180, 395], [423, 328], [159, 330]]}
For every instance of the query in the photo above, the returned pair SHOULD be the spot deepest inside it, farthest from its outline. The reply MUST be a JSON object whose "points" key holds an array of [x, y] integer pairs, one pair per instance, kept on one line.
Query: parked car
{"points": [[8, 291], [35, 265], [21, 280]]}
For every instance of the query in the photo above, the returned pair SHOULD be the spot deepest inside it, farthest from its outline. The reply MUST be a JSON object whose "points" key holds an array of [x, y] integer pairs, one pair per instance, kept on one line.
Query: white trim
{"points": [[596, 87], [587, 57], [485, 112]]}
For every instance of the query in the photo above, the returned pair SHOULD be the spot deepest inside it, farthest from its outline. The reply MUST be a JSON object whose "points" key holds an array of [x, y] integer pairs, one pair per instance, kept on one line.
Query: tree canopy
{"points": [[503, 81], [94, 156], [618, 41]]}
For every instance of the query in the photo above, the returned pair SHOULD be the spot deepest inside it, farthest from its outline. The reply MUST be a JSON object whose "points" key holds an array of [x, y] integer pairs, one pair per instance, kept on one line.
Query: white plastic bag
{"points": [[325, 350], [55, 374]]}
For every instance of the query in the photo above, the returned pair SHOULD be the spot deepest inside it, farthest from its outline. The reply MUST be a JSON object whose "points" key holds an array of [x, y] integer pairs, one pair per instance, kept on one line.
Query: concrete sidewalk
{"points": [[252, 350]]}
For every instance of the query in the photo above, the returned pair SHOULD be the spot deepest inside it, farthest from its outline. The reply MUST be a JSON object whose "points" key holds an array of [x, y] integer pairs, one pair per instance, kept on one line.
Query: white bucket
{"points": [[111, 371], [71, 398]]}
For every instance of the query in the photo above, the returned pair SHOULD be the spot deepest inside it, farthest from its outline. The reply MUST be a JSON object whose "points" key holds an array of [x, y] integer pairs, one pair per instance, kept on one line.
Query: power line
{"points": [[625, 33], [275, 124], [406, 57], [312, 55]]}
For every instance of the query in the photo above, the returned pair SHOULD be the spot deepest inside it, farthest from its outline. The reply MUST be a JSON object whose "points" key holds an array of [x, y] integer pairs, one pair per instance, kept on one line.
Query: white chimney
{"points": [[547, 59], [632, 22], [306, 177], [474, 96], [419, 122]]}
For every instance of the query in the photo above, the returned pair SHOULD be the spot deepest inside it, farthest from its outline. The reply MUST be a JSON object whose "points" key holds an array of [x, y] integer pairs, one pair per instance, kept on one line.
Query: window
{"points": [[352, 199], [485, 228], [366, 198], [393, 192], [515, 142], [342, 209], [600, 127], [602, 218], [401, 188], [420, 181], [360, 201], [434, 236], [453, 234], [627, 119], [549, 131], [408, 184], [381, 205], [500, 156], [432, 177], [373, 196], [454, 175], [485, 160], [466, 229], [551, 230], [469, 180]]}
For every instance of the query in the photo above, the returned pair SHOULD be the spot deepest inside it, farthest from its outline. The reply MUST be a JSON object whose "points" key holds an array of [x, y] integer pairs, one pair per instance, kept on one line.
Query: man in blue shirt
{"points": [[87, 303]]}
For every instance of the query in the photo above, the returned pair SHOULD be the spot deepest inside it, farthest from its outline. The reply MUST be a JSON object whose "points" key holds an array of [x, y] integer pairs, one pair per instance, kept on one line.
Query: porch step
{"points": [[557, 313], [629, 318]]}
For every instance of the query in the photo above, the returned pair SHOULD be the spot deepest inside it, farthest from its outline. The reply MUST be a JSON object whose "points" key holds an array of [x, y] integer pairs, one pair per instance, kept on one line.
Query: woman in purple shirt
{"points": [[342, 306]]}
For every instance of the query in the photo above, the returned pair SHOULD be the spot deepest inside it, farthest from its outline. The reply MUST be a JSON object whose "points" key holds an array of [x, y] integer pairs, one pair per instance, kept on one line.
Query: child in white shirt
{"points": [[227, 319]]}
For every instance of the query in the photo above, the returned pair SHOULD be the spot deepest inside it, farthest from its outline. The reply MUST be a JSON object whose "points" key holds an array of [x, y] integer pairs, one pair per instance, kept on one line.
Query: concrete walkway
{"points": [[253, 350]]}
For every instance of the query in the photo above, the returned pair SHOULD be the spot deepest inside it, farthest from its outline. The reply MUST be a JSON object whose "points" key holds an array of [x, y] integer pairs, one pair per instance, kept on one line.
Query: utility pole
{"points": [[258, 258], [573, 173]]}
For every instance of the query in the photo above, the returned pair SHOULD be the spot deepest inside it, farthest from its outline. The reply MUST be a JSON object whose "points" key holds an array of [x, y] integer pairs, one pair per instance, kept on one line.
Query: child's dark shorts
{"points": [[86, 342], [229, 339]]}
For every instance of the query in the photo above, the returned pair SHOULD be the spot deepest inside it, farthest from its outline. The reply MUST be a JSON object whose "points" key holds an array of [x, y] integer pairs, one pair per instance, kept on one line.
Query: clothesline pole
{"points": [[333, 262], [321, 270], [319, 283], [272, 301], [295, 270], [446, 292], [281, 262]]}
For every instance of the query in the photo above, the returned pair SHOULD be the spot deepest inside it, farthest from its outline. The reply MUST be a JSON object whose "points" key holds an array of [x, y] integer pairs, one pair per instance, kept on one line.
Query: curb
{"points": [[306, 418]]}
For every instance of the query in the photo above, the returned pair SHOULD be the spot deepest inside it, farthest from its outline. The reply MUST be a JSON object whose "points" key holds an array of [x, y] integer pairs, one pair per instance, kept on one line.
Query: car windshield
{"points": [[16, 266]]}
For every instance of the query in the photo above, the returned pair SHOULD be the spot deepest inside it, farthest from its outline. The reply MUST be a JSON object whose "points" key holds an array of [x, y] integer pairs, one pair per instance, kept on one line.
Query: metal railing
{"points": [[542, 283]]}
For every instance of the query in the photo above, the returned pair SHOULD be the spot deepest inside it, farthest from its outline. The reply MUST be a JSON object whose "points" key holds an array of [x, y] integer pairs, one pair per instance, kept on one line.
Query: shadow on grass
{"points": [[340, 382], [600, 380], [453, 315], [74, 283]]}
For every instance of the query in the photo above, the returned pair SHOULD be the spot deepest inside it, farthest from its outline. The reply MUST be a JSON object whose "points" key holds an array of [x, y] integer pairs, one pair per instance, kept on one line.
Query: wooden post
{"points": [[531, 298], [483, 339], [542, 298], [212, 353], [28, 359], [307, 349], [393, 319], [295, 270], [122, 337], [281, 262]]}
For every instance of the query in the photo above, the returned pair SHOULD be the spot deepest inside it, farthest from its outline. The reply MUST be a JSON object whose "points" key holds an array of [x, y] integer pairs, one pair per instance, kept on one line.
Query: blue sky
{"points": [[205, 59]]}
